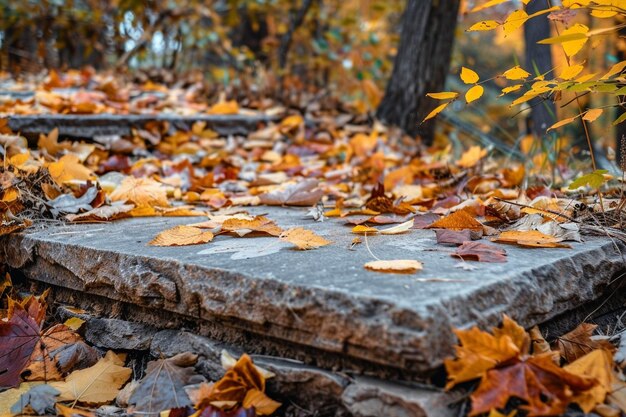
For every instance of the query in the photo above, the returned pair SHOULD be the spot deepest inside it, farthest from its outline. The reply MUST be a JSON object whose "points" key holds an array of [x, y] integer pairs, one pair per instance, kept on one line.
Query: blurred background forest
{"points": [[286, 49]]}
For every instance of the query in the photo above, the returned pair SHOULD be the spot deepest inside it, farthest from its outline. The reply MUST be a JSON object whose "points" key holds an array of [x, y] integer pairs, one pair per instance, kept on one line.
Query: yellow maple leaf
{"points": [[69, 168], [303, 238], [182, 236], [141, 192]]}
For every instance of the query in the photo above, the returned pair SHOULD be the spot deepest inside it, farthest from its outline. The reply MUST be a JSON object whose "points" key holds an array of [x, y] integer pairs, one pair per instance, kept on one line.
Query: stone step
{"points": [[319, 306], [93, 125]]}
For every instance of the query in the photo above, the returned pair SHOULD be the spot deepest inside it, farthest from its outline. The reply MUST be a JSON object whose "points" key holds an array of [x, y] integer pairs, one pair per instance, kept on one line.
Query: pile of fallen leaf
{"points": [[49, 369], [511, 364]]}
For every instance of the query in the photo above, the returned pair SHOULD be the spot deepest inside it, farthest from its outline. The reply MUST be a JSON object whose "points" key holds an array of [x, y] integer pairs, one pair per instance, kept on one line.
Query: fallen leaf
{"points": [[98, 384], [68, 168], [303, 193], [141, 192], [530, 238], [361, 229], [597, 365], [260, 402], [259, 224], [65, 411], [103, 213], [10, 397], [67, 203], [456, 237], [400, 228], [182, 236], [578, 342], [458, 220], [397, 266], [304, 239], [546, 388], [471, 157], [163, 386], [481, 252], [224, 107], [40, 398]]}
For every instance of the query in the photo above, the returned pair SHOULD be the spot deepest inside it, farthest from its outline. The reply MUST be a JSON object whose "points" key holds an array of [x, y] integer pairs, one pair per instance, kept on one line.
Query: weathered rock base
{"points": [[305, 390]]}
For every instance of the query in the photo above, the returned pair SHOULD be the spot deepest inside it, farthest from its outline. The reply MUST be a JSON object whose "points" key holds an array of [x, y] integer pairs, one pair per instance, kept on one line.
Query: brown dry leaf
{"points": [[481, 252], [303, 193], [396, 266], [97, 384], [50, 142], [578, 342], [45, 357], [530, 238], [182, 236], [456, 237], [471, 157], [259, 224], [545, 387], [69, 168], [597, 365], [262, 404], [141, 192], [458, 220], [304, 239]]}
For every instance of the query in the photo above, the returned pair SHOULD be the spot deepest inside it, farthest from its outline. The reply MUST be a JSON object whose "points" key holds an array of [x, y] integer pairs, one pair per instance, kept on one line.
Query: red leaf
{"points": [[456, 237], [481, 252], [18, 337]]}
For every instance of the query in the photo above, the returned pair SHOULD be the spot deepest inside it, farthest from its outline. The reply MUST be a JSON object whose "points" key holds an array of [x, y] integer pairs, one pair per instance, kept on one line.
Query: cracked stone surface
{"points": [[262, 295], [89, 126]]}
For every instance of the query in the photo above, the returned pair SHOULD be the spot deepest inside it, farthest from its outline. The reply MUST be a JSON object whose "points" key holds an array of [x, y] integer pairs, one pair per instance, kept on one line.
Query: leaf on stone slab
{"points": [[481, 252], [303, 193], [40, 398], [397, 229], [68, 168], [163, 386], [396, 266], [97, 384], [67, 203], [362, 229], [141, 192], [579, 342], [459, 220], [303, 239], [103, 213], [456, 237], [182, 236], [530, 238], [259, 224]]}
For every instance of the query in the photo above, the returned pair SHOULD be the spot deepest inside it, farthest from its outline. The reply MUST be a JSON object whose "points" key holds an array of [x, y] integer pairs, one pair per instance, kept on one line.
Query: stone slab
{"points": [[89, 126], [264, 296]]}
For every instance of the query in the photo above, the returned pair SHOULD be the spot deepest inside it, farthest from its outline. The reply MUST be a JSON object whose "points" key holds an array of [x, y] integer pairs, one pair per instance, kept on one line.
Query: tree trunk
{"points": [[539, 60], [420, 66]]}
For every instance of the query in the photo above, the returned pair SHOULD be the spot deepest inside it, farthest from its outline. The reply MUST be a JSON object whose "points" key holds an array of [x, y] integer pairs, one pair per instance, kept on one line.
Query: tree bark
{"points": [[295, 22], [420, 66], [539, 60]]}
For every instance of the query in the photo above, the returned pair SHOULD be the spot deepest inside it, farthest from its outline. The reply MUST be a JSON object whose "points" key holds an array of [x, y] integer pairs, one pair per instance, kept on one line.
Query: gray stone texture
{"points": [[321, 304]]}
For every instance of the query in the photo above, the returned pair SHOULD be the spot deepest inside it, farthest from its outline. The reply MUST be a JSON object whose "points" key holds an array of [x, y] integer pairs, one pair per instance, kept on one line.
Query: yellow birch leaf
{"points": [[360, 229], [562, 123], [74, 323], [586, 77], [592, 114], [444, 95], [486, 5], [436, 111], [510, 89], [515, 21], [97, 384], [597, 364], [182, 236], [484, 25], [572, 39], [571, 72], [615, 69], [469, 76], [474, 93], [398, 266], [516, 73], [304, 239], [619, 119]]}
